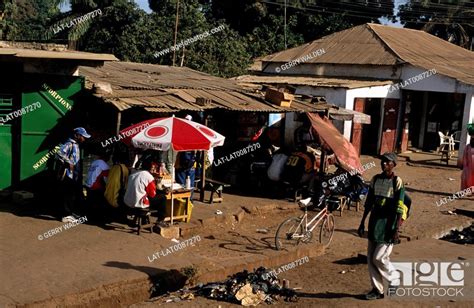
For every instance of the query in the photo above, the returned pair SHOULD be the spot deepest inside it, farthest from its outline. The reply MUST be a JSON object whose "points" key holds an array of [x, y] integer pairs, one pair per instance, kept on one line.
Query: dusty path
{"points": [[321, 280]]}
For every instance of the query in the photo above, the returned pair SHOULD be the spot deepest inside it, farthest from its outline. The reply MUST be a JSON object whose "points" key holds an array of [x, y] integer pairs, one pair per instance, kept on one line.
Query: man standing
{"points": [[185, 166], [69, 173], [385, 202]]}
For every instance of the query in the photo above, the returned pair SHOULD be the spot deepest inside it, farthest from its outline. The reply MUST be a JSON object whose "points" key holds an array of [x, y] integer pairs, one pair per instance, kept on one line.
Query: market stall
{"points": [[177, 134]]}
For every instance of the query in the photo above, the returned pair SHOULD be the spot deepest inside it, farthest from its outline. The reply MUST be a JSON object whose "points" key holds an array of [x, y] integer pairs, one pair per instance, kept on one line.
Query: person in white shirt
{"points": [[95, 186], [141, 186]]}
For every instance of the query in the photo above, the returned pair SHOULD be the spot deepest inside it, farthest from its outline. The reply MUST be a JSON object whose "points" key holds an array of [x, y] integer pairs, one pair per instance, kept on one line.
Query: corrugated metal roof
{"points": [[357, 45], [427, 51], [159, 88], [372, 44], [248, 80], [48, 54]]}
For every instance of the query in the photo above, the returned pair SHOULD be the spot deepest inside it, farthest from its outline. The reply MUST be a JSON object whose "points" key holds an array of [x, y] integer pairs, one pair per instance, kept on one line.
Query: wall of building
{"points": [[386, 72], [335, 96], [433, 83]]}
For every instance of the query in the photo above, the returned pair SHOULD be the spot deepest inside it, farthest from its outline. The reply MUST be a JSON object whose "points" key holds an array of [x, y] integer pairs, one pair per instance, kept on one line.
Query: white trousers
{"points": [[380, 268]]}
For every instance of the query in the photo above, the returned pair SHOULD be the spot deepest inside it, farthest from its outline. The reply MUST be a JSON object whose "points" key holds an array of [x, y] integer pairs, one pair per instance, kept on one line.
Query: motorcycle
{"points": [[324, 189]]}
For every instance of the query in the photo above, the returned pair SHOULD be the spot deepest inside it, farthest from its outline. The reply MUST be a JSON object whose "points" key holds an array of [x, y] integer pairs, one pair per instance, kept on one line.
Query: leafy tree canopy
{"points": [[250, 28], [451, 20]]}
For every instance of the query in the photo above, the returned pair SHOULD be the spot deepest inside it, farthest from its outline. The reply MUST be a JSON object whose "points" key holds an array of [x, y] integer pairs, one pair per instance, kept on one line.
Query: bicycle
{"points": [[300, 230]]}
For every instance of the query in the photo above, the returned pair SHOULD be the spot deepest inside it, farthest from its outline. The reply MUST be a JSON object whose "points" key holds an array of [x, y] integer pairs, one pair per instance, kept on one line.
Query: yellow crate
{"points": [[179, 207]]}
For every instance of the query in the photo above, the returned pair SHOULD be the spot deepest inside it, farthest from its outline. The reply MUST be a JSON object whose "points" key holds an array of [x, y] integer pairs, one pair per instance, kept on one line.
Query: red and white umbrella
{"points": [[176, 133]]}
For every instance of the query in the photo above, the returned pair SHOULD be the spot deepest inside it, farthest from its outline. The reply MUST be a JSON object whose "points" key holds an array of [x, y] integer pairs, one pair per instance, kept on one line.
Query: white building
{"points": [[369, 68]]}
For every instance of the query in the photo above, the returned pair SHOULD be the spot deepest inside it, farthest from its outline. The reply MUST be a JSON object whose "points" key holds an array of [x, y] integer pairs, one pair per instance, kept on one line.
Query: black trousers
{"points": [[71, 195]]}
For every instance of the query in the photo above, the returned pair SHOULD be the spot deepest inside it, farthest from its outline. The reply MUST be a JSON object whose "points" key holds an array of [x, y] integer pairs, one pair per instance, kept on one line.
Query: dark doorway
{"points": [[370, 132], [443, 113], [414, 109]]}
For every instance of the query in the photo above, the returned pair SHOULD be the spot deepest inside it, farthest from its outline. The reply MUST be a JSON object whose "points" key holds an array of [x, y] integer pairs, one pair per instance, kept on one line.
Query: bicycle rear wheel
{"points": [[327, 230], [289, 233]]}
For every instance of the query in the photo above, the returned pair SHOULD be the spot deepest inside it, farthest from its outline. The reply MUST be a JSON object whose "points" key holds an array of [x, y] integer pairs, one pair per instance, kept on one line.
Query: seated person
{"points": [[95, 184], [117, 180], [141, 186], [299, 167]]}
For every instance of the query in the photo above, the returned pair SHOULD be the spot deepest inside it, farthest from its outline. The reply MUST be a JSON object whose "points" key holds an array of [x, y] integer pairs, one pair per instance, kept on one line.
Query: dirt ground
{"points": [[334, 279], [109, 266]]}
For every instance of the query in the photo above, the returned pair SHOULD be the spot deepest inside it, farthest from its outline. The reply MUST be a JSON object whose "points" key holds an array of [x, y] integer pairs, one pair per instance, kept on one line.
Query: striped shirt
{"points": [[385, 204], [69, 153]]}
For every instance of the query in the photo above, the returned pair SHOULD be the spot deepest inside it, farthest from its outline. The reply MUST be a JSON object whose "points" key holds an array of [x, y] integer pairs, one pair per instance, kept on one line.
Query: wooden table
{"points": [[182, 194]]}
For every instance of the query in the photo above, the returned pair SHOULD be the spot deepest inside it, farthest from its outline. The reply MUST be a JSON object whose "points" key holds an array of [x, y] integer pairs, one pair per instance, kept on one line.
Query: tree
{"points": [[262, 21], [123, 30], [75, 19], [25, 20], [451, 21], [223, 53]]}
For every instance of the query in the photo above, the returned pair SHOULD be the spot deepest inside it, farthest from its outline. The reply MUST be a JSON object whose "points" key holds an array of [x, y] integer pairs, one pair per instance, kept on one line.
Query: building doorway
{"points": [[365, 138], [430, 113]]}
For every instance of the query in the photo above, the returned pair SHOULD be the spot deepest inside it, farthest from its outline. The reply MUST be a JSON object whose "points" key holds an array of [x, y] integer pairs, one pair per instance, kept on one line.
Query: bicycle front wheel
{"points": [[289, 233], [327, 230]]}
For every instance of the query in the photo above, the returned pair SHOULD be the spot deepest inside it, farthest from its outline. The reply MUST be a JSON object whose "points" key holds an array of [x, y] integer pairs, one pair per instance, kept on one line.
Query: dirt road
{"points": [[339, 277]]}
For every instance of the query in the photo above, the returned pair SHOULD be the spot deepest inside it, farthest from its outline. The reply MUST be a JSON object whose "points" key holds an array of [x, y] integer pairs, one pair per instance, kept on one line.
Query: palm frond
{"points": [[79, 30]]}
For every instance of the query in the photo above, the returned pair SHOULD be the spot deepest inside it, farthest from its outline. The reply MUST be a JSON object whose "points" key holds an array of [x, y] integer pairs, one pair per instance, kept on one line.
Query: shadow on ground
{"points": [[162, 280]]}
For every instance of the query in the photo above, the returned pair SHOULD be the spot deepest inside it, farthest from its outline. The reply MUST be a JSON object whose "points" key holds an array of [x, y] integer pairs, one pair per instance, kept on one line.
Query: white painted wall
{"points": [[434, 83], [336, 96], [345, 97], [369, 92], [335, 70]]}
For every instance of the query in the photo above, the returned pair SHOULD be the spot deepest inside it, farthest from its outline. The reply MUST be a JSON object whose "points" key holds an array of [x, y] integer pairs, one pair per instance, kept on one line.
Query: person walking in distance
{"points": [[385, 203], [68, 173], [467, 161]]}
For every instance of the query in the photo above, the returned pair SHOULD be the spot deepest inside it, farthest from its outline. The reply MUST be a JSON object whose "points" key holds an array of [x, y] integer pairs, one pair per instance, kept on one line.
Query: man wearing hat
{"points": [[385, 203], [70, 180]]}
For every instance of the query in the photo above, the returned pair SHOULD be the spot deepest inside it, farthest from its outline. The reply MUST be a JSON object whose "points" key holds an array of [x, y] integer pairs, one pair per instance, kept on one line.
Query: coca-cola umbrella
{"points": [[171, 133]]}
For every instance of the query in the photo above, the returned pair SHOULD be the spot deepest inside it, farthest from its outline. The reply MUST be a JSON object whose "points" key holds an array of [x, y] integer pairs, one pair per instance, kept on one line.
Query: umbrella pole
{"points": [[172, 184], [322, 165], [203, 176]]}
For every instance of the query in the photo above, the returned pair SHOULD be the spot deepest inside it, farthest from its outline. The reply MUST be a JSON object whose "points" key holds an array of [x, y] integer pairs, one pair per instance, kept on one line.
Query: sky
{"points": [[143, 4]]}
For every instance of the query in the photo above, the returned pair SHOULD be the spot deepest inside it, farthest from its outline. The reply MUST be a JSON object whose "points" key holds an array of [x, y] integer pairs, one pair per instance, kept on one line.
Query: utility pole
{"points": [[175, 33]]}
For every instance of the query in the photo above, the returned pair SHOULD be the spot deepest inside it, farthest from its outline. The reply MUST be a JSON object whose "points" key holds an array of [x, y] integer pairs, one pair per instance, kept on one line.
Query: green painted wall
{"points": [[50, 104], [6, 107]]}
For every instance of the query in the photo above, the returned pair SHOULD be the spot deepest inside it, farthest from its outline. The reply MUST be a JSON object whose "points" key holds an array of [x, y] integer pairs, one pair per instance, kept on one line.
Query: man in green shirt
{"points": [[385, 202]]}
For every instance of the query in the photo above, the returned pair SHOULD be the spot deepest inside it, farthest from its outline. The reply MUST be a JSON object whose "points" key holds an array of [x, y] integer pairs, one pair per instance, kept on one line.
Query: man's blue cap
{"points": [[81, 131]]}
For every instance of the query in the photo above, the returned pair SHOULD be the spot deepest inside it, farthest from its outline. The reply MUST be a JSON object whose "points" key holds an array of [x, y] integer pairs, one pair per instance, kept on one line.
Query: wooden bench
{"points": [[215, 187]]}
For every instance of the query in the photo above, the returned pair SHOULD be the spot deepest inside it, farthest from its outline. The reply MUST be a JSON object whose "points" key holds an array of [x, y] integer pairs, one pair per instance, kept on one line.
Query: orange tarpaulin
{"points": [[344, 151]]}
